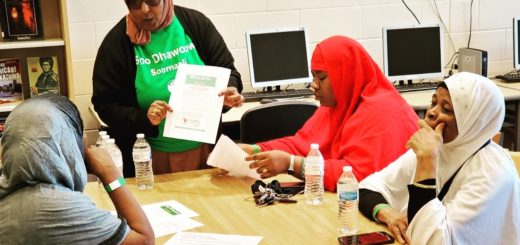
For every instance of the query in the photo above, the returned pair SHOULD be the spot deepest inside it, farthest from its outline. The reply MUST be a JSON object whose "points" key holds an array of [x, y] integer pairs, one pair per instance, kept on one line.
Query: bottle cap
{"points": [[101, 133], [140, 135], [105, 137], [315, 146], [347, 168]]}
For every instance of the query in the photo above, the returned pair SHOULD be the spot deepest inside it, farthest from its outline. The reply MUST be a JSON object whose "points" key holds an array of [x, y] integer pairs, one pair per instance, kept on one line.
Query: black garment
{"points": [[47, 82], [114, 96], [419, 197], [368, 199]]}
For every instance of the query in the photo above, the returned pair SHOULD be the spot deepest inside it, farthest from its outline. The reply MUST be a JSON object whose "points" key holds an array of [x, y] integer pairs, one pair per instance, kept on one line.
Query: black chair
{"points": [[274, 120]]}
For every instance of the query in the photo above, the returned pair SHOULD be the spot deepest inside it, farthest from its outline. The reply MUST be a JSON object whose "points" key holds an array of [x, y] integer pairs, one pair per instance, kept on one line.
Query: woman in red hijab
{"points": [[362, 120]]}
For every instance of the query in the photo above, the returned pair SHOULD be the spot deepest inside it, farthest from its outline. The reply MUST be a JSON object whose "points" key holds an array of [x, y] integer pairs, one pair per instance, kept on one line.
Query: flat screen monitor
{"points": [[516, 42], [278, 57], [413, 52]]}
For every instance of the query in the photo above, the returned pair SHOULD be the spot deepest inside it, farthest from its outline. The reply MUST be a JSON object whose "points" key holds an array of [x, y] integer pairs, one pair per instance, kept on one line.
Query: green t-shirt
{"points": [[157, 64]]}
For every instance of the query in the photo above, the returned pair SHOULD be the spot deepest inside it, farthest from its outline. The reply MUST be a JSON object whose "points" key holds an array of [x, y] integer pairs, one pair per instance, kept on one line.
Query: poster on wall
{"points": [[43, 75], [10, 81], [21, 19]]}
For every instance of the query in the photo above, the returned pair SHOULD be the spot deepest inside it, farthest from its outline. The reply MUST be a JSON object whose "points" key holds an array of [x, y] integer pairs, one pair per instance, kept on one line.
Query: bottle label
{"points": [[141, 156], [314, 166], [348, 195]]}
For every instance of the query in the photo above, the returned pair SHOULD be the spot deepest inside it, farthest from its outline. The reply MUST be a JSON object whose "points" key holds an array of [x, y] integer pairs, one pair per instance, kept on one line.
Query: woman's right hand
{"points": [[396, 222], [269, 163], [99, 162], [157, 112]]}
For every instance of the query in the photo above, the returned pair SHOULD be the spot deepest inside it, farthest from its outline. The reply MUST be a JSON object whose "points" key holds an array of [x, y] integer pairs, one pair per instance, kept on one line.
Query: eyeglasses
{"points": [[136, 4]]}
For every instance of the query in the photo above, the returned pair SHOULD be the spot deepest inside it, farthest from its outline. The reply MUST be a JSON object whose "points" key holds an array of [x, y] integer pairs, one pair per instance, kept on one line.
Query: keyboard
{"points": [[513, 76], [257, 96], [419, 86]]}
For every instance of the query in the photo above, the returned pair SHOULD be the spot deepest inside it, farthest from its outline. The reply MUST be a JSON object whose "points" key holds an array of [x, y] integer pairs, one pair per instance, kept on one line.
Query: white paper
{"points": [[170, 217], [192, 238], [195, 103], [229, 156]]}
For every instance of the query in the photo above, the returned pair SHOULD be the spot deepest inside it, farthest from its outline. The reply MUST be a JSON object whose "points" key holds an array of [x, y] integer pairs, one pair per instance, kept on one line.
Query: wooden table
{"points": [[221, 204]]}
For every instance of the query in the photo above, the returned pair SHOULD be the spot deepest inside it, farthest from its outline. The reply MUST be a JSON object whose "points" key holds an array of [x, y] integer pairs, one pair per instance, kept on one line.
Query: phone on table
{"points": [[371, 238], [292, 187]]}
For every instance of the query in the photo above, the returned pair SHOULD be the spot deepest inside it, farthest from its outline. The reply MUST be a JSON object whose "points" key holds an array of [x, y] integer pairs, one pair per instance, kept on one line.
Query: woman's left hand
{"points": [[269, 163], [232, 98]]}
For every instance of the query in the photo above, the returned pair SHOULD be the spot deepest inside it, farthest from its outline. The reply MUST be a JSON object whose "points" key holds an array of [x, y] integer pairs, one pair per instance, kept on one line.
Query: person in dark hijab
{"points": [[43, 174]]}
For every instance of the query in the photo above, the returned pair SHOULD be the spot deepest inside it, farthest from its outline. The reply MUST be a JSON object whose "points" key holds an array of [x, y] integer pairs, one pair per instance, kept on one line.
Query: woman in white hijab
{"points": [[42, 177], [453, 186]]}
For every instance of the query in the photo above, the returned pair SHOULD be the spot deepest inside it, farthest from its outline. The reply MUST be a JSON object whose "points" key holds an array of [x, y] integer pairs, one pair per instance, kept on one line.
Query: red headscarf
{"points": [[140, 36], [369, 126]]}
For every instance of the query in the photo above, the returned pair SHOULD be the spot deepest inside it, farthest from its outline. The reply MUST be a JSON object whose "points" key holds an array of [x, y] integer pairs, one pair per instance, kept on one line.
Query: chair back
{"points": [[274, 120], [515, 155]]}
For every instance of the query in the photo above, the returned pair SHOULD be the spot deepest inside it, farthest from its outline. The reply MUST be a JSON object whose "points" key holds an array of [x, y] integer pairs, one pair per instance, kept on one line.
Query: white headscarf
{"points": [[482, 205], [479, 109]]}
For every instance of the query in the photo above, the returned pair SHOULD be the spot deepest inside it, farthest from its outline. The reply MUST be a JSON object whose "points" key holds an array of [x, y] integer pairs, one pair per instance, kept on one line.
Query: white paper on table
{"points": [[229, 156], [193, 238], [168, 227], [170, 217], [195, 103]]}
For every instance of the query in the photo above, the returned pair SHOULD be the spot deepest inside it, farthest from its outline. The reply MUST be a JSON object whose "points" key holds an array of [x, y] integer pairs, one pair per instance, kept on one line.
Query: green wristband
{"points": [[378, 208], [255, 148], [115, 184]]}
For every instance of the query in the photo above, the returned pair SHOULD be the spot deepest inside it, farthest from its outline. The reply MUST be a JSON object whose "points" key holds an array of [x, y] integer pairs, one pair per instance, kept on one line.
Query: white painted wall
{"points": [[90, 20]]}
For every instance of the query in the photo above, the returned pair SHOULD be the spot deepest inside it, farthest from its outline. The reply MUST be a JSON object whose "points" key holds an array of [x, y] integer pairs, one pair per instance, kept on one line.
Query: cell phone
{"points": [[371, 238], [292, 187]]}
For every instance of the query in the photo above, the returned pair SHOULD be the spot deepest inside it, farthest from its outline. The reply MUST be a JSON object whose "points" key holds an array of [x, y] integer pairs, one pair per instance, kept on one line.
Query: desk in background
{"points": [[511, 85], [419, 101], [231, 119], [221, 204]]}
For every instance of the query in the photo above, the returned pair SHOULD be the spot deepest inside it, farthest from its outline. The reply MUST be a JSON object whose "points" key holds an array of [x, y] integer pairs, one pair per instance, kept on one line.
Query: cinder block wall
{"points": [[90, 20]]}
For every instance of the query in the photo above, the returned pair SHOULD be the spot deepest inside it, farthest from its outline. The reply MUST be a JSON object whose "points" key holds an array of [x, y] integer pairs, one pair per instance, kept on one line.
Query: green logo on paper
{"points": [[170, 210], [201, 80]]}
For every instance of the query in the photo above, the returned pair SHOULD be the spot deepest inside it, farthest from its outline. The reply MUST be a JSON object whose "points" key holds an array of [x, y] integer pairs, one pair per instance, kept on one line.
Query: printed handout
{"points": [[195, 103]]}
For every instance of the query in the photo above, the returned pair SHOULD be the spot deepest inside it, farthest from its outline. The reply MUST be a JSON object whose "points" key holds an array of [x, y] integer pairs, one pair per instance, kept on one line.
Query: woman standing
{"points": [[135, 63]]}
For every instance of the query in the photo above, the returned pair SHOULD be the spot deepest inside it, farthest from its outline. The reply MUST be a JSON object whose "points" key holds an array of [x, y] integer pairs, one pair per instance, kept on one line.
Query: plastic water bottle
{"points": [[314, 165], [348, 194], [102, 141], [99, 140], [116, 155], [142, 155]]}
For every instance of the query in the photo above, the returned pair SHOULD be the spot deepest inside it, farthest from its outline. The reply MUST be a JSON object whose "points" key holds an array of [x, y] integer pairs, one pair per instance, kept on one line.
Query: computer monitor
{"points": [[413, 52], [516, 42], [278, 57]]}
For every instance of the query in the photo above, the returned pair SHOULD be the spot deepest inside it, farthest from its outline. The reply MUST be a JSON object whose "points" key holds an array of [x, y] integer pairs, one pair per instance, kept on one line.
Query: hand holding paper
{"points": [[196, 102], [229, 156], [232, 98]]}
